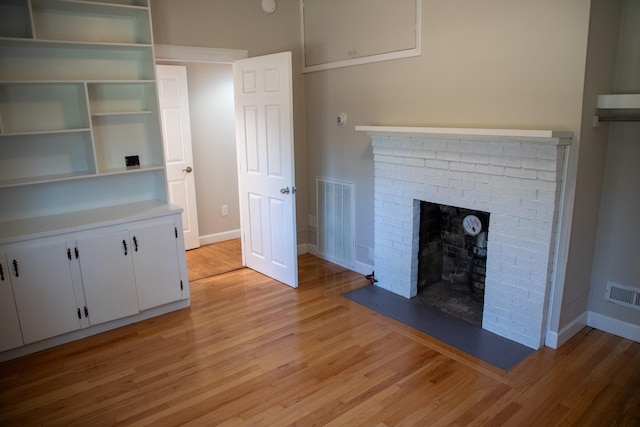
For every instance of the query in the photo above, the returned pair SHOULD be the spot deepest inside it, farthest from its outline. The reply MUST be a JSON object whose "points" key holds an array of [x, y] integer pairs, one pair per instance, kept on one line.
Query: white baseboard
{"points": [[614, 326], [93, 330], [358, 267], [219, 237], [303, 248], [362, 268], [593, 320], [556, 339]]}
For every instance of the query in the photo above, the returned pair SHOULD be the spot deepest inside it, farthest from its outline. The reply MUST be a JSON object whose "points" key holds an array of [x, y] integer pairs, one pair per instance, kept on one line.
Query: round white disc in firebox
{"points": [[472, 225]]}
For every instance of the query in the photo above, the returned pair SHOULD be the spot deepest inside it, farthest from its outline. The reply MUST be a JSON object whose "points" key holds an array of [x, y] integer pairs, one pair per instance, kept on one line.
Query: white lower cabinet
{"points": [[43, 291], [155, 255], [106, 266], [10, 335], [59, 284]]}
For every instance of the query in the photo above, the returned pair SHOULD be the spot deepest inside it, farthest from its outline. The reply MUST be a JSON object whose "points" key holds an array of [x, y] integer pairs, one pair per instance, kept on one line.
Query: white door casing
{"points": [[264, 132], [178, 155]]}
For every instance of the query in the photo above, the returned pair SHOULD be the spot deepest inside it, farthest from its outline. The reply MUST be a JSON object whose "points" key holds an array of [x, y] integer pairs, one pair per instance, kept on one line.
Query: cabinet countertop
{"points": [[45, 226]]}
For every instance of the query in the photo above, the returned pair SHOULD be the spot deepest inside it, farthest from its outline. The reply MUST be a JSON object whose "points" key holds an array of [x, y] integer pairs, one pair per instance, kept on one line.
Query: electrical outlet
{"points": [[225, 210]]}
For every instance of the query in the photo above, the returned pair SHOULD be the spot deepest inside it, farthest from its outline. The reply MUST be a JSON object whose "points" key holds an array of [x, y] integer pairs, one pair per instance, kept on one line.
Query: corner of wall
{"points": [[556, 339]]}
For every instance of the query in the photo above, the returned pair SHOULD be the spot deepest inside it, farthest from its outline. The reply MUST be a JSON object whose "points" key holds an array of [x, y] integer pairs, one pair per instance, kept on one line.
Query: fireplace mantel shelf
{"points": [[561, 137]]}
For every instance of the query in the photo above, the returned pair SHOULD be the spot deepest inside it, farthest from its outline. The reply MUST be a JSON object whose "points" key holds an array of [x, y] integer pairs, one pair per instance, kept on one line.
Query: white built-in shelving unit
{"points": [[77, 95], [86, 243]]}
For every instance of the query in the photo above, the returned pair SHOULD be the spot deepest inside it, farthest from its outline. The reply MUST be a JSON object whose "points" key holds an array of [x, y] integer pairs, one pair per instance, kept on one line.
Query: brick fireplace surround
{"points": [[515, 175]]}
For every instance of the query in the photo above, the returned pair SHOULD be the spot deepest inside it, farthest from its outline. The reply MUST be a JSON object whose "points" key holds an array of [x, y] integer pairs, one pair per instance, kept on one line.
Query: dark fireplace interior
{"points": [[452, 259]]}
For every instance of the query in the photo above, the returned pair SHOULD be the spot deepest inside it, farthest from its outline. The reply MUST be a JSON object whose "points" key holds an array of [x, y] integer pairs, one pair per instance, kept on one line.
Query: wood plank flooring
{"points": [[214, 259], [251, 351]]}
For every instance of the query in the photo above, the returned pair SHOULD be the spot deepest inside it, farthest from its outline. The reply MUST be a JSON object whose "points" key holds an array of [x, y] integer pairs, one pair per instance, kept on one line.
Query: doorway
{"points": [[210, 88]]}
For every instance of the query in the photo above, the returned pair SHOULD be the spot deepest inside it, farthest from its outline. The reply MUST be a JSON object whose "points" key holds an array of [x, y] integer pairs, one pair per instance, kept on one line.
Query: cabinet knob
{"points": [[124, 245], [135, 244], [1, 273], [15, 267]]}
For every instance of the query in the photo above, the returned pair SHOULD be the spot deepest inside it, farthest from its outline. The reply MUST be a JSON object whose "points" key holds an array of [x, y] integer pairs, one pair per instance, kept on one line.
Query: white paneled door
{"points": [[264, 132], [178, 155]]}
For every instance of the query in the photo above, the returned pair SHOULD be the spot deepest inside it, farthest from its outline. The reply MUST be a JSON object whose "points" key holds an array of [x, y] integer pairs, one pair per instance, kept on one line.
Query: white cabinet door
{"points": [[155, 257], [10, 335], [43, 290], [106, 266]]}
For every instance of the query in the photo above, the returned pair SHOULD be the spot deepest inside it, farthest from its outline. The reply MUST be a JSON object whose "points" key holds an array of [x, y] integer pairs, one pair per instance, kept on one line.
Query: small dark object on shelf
{"points": [[132, 162]]}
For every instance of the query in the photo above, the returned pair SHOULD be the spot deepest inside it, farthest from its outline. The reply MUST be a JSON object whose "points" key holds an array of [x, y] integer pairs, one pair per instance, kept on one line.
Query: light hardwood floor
{"points": [[217, 258], [251, 351]]}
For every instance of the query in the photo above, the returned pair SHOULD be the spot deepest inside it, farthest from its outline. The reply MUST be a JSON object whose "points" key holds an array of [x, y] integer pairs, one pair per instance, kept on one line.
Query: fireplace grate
{"points": [[623, 295]]}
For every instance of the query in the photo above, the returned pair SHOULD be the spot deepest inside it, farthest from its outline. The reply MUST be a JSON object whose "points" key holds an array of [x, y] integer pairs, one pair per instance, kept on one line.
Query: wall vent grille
{"points": [[623, 295], [336, 221]]}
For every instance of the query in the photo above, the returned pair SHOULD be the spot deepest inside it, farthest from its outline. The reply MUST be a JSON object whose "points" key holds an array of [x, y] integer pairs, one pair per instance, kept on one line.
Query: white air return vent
{"points": [[336, 221], [623, 295]]}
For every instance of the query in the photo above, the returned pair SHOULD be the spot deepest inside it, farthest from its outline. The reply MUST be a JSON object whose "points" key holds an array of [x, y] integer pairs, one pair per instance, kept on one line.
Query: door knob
{"points": [[284, 190], [187, 170]]}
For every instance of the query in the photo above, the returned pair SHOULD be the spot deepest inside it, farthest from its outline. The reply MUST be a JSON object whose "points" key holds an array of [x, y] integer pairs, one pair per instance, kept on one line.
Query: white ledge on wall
{"points": [[560, 137], [620, 101]]}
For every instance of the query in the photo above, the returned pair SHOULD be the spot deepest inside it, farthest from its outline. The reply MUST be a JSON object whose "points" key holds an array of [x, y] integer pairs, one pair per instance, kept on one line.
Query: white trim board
{"points": [[164, 52], [596, 321], [614, 326], [219, 237]]}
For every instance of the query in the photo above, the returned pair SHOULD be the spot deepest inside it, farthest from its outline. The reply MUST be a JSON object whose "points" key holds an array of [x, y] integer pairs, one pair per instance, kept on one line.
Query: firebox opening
{"points": [[452, 259]]}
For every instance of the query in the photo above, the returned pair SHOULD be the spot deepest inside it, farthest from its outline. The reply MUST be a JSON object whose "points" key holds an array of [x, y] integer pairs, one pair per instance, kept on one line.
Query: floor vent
{"points": [[335, 213], [623, 295]]}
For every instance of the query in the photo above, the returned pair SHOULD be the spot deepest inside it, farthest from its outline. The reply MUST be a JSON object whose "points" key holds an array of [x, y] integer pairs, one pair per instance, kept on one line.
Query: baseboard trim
{"points": [[303, 248], [593, 320], [556, 339], [219, 237], [614, 326], [92, 330], [358, 267]]}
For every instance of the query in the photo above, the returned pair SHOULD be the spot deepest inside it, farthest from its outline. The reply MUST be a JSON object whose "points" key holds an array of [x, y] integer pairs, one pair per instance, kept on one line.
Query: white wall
{"points": [[618, 245]]}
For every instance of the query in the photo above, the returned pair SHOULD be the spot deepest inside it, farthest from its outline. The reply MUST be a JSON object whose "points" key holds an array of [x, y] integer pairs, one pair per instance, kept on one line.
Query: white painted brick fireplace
{"points": [[515, 175]]}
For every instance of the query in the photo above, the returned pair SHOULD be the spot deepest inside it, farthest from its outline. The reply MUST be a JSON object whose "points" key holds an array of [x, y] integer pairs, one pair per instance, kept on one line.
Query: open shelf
{"points": [[33, 158], [25, 60], [122, 98], [35, 107], [118, 136], [90, 22], [14, 19]]}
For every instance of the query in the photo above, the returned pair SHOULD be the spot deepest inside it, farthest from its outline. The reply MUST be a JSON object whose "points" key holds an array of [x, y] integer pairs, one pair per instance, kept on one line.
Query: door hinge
{"points": [[181, 286]]}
